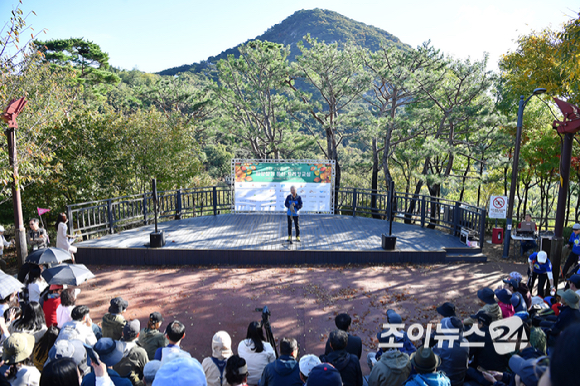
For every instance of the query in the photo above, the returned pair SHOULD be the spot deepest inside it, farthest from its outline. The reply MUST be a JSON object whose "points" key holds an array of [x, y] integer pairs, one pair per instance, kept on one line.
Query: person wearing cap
{"points": [[174, 332], [37, 237], [446, 310], [485, 357], [524, 372], [113, 322], [505, 302], [214, 366], [538, 343], [426, 362], [408, 346], [347, 364], [354, 345], [392, 367], [81, 327], [569, 314], [110, 352], [540, 267], [284, 371], [151, 338], [180, 372], [574, 246], [134, 356], [236, 373], [149, 372], [17, 350], [490, 306], [574, 282], [324, 374], [73, 349], [512, 285], [51, 303], [307, 363], [454, 357]]}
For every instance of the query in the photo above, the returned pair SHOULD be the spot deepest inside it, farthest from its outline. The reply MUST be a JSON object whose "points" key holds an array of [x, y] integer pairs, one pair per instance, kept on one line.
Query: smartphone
{"points": [[92, 355]]}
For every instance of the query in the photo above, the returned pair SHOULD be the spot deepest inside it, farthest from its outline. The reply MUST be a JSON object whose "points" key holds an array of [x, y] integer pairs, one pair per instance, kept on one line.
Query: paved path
{"points": [[269, 232]]}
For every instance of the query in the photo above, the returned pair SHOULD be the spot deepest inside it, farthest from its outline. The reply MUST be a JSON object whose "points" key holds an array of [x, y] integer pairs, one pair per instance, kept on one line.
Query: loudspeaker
{"points": [[389, 242], [157, 239]]}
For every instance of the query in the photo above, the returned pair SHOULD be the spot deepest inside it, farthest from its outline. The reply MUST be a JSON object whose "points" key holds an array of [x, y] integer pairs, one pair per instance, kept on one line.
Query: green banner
{"points": [[283, 172]]}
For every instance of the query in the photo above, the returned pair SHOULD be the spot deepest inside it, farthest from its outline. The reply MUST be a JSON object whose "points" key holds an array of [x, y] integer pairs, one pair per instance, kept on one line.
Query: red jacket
{"points": [[49, 307]]}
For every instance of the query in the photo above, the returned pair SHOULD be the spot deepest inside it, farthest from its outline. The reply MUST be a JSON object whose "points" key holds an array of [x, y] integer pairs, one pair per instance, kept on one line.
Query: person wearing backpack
{"points": [[214, 366]]}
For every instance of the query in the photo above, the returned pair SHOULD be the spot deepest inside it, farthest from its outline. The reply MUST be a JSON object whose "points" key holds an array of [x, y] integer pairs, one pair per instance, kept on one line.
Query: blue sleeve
{"points": [[158, 354], [532, 257], [287, 202], [299, 206]]}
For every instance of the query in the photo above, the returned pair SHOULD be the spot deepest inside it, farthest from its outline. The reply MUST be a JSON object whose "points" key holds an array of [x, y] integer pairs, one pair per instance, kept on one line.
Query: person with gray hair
{"points": [[37, 237], [294, 204]]}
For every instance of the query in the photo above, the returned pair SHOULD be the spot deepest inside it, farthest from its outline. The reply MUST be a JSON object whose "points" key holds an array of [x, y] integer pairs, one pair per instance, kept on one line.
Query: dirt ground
{"points": [[303, 300]]}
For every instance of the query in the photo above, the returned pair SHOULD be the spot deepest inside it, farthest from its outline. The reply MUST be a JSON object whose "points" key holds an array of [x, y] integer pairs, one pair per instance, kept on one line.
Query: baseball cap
{"points": [[513, 282], [73, 349], [575, 279], [307, 363], [156, 317], [570, 297], [131, 330], [324, 374], [118, 305], [575, 227], [483, 317], [542, 257]]}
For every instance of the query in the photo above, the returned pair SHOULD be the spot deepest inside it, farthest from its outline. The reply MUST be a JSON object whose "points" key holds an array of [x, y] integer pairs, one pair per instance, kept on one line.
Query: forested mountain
{"points": [[324, 25]]}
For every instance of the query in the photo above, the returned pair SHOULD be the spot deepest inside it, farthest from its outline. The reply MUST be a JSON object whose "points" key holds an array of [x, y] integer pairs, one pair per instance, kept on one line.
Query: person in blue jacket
{"points": [[294, 204], [574, 244], [541, 268]]}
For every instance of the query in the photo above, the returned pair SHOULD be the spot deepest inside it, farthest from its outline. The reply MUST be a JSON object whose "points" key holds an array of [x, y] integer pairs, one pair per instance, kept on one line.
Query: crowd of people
{"points": [[47, 339]]}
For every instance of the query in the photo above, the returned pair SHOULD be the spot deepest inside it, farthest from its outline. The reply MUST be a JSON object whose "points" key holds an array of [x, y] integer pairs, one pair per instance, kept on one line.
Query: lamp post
{"points": [[516, 158]]}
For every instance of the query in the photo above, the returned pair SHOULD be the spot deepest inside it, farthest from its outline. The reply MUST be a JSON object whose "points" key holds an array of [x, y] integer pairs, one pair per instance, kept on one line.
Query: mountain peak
{"points": [[322, 24]]}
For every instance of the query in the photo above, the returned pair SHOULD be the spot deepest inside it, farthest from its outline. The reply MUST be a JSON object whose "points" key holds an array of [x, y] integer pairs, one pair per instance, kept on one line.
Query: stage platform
{"points": [[261, 239]]}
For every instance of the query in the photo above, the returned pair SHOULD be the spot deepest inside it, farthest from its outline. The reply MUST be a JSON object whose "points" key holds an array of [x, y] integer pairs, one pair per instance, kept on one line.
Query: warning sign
{"points": [[498, 206]]}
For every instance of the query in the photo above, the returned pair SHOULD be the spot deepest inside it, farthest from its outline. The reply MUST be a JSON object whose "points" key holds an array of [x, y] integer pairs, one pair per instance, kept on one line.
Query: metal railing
{"points": [[110, 215]]}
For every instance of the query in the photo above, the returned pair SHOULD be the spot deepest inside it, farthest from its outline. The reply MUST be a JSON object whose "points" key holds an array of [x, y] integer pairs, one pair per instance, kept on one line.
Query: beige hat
{"points": [[221, 345], [17, 348]]}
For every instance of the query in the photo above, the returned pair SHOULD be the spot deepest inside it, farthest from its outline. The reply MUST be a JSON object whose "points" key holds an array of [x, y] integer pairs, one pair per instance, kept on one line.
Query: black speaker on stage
{"points": [[389, 242], [157, 239]]}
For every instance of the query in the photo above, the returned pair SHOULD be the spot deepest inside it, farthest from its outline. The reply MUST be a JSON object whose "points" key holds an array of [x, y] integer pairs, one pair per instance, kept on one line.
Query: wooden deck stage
{"points": [[260, 239]]}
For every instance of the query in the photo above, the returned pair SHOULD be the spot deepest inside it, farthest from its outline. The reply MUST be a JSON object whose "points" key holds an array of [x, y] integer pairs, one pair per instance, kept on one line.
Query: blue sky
{"points": [[154, 35]]}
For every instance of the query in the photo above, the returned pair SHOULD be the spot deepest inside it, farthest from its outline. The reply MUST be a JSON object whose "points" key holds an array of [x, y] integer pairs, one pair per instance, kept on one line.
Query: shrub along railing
{"points": [[110, 215]]}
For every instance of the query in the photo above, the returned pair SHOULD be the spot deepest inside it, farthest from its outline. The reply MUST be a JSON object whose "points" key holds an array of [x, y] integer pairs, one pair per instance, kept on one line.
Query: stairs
{"points": [[466, 255]]}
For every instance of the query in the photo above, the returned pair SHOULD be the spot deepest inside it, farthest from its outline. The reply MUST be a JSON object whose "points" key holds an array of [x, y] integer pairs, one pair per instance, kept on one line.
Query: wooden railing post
{"points": [[215, 201], [423, 211], [144, 208], [178, 205], [483, 215], [354, 202], [456, 219], [110, 216]]}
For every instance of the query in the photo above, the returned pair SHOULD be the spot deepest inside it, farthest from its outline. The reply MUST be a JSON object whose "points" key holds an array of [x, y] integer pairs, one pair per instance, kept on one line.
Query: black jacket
{"points": [[347, 365], [566, 317], [354, 346], [486, 356]]}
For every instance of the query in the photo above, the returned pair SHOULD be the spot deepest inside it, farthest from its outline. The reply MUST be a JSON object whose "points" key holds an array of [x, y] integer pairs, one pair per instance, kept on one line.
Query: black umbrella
{"points": [[71, 274], [48, 256]]}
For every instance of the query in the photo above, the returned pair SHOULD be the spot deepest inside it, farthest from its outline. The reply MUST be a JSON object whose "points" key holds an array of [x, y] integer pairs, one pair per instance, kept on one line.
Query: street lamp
{"points": [[510, 211]]}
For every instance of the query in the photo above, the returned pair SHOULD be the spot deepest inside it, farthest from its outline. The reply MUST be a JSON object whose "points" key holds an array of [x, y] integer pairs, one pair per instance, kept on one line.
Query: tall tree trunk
{"points": [[375, 179]]}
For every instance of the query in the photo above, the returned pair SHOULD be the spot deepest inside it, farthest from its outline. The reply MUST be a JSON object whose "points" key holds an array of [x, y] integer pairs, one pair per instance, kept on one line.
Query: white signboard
{"points": [[498, 206], [264, 186]]}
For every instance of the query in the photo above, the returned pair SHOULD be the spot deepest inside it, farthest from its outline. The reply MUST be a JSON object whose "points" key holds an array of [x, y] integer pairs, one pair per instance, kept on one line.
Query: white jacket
{"points": [[255, 361]]}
